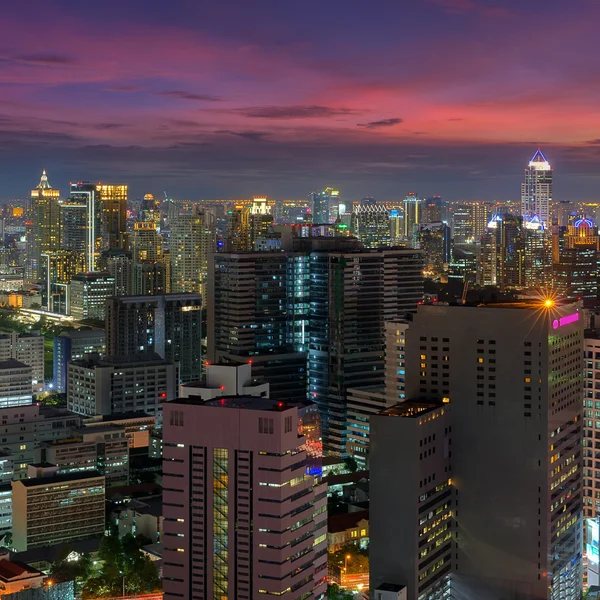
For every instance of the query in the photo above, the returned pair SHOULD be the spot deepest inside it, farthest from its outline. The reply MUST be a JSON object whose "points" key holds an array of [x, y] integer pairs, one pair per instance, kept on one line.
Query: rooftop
{"points": [[410, 409], [249, 402], [11, 363], [339, 523], [64, 478], [10, 569], [141, 358], [83, 333]]}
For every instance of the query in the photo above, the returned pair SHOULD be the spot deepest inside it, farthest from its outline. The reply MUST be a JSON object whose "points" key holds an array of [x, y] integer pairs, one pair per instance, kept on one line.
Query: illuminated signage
{"points": [[591, 546], [565, 320]]}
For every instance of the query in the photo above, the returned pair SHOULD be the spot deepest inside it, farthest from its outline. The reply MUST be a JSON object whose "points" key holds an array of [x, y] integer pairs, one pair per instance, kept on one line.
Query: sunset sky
{"points": [[233, 99]]}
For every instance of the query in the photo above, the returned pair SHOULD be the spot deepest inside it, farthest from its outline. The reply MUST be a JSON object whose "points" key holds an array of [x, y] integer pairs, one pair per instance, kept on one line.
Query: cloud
{"points": [[124, 88], [185, 95], [255, 136], [109, 125], [300, 111], [595, 142], [47, 59], [456, 119], [382, 123]]}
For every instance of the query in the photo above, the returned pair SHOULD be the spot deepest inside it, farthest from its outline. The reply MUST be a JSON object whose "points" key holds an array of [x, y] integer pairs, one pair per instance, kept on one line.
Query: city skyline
{"points": [[206, 106]]}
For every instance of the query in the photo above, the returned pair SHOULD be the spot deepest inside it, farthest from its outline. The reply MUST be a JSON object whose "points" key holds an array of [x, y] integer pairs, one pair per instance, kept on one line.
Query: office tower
{"points": [[323, 204], [396, 227], [192, 238], [57, 268], [44, 216], [27, 348], [239, 229], [508, 371], [502, 253], [370, 223], [15, 383], [112, 206], [80, 221], [591, 426], [578, 248], [121, 384], [434, 240], [245, 511], [351, 295], [434, 209], [53, 509], [536, 190], [119, 264], [103, 448], [258, 312], [463, 231], [89, 292], [146, 243], [261, 221], [411, 479], [150, 210], [537, 255], [481, 216], [170, 325], [72, 345], [413, 215], [149, 278]]}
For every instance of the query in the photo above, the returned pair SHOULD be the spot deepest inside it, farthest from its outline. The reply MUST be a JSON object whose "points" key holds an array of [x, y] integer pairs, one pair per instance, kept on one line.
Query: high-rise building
{"points": [[192, 238], [79, 222], [146, 243], [413, 215], [257, 311], [170, 325], [121, 384], [27, 348], [536, 190], [506, 371], [245, 511], [434, 240], [435, 209], [113, 216], [239, 229], [576, 270], [119, 264], [370, 223], [463, 231], [45, 229], [150, 278], [327, 298], [72, 345], [352, 294], [150, 210], [55, 509], [57, 268], [88, 294], [323, 204]]}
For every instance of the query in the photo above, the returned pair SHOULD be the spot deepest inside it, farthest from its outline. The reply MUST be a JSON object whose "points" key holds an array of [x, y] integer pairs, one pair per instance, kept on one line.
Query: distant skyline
{"points": [[229, 100]]}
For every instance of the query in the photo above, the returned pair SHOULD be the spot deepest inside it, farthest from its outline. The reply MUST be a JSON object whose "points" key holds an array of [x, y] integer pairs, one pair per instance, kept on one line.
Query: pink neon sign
{"points": [[565, 320]]}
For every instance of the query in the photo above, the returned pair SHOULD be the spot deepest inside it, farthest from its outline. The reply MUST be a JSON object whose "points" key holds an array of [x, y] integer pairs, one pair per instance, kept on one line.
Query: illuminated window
{"points": [[363, 532], [480, 360], [220, 523], [354, 534], [527, 379], [423, 356], [423, 365], [23, 447]]}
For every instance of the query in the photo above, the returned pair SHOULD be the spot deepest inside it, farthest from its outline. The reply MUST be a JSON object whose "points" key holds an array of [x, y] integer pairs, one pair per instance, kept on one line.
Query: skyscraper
{"points": [[119, 263], [507, 458], [170, 325], [88, 294], [371, 224], [321, 204], [45, 230], [413, 215], [80, 222], [192, 238], [245, 512], [112, 206], [536, 190]]}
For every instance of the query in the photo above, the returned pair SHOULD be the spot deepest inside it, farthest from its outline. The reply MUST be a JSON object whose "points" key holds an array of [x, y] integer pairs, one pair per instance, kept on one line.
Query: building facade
{"points": [[89, 292], [536, 190], [245, 511]]}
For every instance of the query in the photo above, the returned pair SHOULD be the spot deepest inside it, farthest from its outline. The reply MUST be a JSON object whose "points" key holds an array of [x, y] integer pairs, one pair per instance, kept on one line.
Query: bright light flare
{"points": [[548, 303]]}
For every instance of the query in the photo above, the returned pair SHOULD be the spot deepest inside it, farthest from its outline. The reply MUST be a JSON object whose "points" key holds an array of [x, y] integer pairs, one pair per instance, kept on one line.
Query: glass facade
{"points": [[220, 524]]}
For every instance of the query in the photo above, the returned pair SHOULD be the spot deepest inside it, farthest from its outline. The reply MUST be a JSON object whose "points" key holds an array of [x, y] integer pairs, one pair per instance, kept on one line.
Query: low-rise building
{"points": [[137, 426], [73, 345], [121, 384], [27, 348], [349, 528], [53, 509]]}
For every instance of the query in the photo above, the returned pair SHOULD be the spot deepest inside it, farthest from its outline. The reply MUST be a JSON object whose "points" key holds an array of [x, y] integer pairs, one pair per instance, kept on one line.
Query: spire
{"points": [[539, 161], [44, 185]]}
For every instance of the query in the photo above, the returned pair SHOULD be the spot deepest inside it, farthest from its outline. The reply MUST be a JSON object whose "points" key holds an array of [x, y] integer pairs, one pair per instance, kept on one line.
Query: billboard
{"points": [[592, 536]]}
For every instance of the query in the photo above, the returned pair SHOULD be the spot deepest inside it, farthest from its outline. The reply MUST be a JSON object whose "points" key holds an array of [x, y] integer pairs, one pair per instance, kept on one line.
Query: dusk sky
{"points": [[210, 99]]}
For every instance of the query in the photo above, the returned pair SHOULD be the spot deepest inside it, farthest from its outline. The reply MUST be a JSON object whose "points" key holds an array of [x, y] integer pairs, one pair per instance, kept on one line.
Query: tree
{"points": [[351, 464], [334, 592]]}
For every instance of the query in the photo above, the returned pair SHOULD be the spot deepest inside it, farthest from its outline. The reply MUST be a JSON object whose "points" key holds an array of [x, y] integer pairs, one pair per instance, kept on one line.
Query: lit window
{"points": [[527, 379], [363, 532], [480, 360], [23, 447], [423, 356]]}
